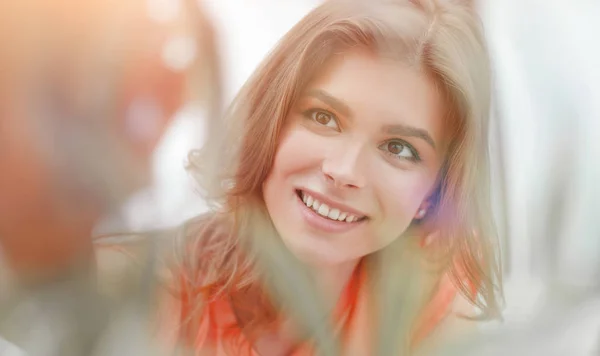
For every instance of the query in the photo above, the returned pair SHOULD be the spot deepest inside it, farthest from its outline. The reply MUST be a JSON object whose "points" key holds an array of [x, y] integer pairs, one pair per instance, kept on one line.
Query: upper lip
{"points": [[333, 204]]}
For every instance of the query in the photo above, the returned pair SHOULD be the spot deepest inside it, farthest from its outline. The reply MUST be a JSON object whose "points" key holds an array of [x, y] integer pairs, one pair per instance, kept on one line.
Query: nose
{"points": [[342, 167]]}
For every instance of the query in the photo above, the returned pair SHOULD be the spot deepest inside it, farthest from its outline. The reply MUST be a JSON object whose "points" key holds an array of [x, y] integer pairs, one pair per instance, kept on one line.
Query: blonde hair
{"points": [[442, 38]]}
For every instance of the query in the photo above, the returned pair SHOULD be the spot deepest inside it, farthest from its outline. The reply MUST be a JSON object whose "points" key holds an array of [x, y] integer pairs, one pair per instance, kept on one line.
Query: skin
{"points": [[348, 129], [368, 133]]}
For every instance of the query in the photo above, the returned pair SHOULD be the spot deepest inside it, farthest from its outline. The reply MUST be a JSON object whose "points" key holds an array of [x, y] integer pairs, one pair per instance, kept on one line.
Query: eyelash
{"points": [[416, 157], [309, 115]]}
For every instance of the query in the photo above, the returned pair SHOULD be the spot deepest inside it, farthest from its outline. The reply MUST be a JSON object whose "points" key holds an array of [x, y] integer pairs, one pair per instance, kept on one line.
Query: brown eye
{"points": [[401, 150], [395, 147], [323, 118]]}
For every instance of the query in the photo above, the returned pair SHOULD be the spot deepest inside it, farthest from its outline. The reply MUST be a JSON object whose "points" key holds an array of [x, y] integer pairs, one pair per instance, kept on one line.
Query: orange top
{"points": [[217, 331]]}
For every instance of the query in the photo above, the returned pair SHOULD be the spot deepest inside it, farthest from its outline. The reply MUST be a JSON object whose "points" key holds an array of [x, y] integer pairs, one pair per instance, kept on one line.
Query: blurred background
{"points": [[545, 145], [246, 31]]}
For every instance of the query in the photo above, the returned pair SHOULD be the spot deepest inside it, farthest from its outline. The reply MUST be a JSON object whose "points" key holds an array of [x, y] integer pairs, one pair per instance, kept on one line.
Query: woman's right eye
{"points": [[323, 118]]}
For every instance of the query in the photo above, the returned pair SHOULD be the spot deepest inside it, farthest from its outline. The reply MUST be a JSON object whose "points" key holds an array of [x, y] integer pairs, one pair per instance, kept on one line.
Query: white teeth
{"points": [[309, 201], [333, 214], [323, 210]]}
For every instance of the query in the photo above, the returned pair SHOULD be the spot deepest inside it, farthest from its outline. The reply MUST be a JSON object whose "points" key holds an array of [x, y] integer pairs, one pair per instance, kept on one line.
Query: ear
{"points": [[424, 208], [429, 204]]}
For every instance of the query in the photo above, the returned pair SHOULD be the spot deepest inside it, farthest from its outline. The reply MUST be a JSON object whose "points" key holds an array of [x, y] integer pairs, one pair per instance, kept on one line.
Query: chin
{"points": [[314, 250]]}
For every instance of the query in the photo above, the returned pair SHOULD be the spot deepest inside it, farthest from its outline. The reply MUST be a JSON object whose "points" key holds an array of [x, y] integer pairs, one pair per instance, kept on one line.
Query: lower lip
{"points": [[325, 224]]}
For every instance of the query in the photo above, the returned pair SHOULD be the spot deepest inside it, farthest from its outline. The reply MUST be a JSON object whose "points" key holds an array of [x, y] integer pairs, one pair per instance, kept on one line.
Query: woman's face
{"points": [[358, 158]]}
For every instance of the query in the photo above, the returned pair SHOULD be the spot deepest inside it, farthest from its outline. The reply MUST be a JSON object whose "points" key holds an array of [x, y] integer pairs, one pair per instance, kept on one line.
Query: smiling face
{"points": [[357, 159]]}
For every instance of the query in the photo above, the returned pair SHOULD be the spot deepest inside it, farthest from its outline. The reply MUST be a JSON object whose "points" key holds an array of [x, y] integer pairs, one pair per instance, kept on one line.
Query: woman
{"points": [[357, 154]]}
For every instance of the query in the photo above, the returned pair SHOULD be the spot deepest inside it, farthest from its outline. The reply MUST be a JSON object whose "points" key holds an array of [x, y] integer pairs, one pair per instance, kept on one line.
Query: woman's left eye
{"points": [[323, 118], [401, 150]]}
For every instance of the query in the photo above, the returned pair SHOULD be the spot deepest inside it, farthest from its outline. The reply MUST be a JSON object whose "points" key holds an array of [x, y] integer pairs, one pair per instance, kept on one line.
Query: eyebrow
{"points": [[332, 101], [410, 131], [396, 129]]}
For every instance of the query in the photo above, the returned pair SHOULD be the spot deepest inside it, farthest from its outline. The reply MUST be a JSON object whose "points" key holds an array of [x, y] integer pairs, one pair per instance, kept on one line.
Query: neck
{"points": [[330, 280]]}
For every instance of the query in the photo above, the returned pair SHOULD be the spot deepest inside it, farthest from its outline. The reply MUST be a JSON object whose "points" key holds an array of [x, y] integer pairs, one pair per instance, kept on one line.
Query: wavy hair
{"points": [[444, 39]]}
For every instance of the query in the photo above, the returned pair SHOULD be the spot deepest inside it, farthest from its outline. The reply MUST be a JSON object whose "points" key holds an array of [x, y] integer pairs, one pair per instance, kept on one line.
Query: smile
{"points": [[325, 217], [327, 212]]}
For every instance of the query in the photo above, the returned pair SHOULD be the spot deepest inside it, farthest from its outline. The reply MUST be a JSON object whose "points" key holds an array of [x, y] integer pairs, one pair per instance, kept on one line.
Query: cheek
{"points": [[400, 193], [295, 156], [298, 152]]}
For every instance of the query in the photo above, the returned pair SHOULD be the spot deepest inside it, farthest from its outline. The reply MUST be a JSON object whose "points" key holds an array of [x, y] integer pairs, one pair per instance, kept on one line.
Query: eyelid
{"points": [[417, 157], [318, 104], [307, 113], [316, 109]]}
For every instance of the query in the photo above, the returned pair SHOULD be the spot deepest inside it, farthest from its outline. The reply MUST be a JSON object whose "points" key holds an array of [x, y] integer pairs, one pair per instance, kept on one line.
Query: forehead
{"points": [[383, 91]]}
